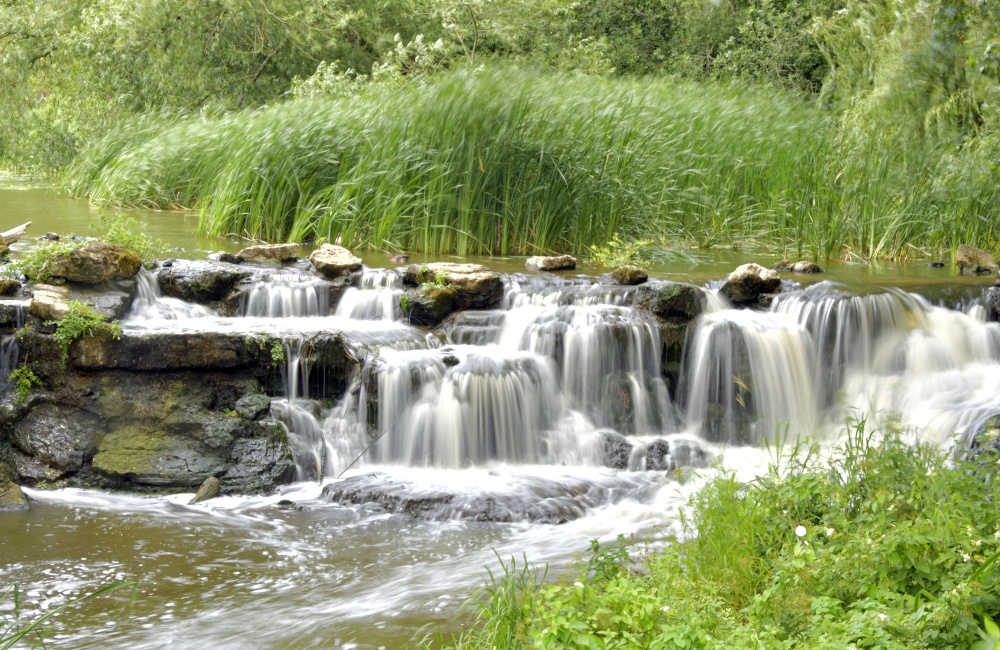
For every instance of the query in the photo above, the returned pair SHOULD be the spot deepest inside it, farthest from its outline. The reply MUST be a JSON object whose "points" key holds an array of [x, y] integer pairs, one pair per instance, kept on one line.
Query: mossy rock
{"points": [[429, 304]]}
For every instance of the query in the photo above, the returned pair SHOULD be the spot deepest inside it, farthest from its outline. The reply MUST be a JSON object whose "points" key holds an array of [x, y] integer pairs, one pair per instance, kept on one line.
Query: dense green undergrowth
{"points": [[887, 545], [512, 162]]}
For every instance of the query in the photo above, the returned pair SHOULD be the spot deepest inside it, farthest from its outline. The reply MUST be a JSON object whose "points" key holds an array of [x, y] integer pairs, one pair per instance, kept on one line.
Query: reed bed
{"points": [[507, 162]]}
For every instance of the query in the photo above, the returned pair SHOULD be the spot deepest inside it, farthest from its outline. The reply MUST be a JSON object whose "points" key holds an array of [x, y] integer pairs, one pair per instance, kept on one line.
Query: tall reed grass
{"points": [[512, 162]]}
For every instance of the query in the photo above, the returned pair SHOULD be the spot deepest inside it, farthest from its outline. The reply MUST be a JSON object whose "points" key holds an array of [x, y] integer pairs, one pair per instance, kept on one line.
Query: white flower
{"points": [[800, 531], [578, 585], [882, 616], [966, 557], [665, 608], [830, 532], [996, 535]]}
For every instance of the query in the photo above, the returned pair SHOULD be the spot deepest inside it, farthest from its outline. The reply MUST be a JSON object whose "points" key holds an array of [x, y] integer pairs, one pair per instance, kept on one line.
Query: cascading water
{"points": [[286, 295], [377, 297], [10, 351]]}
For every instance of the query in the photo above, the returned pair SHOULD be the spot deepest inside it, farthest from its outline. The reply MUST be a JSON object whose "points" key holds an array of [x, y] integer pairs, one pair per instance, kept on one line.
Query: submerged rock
{"points": [[802, 266], [334, 261], [744, 286], [970, 259], [209, 489], [223, 256], [269, 253], [95, 262], [551, 262], [629, 275]]}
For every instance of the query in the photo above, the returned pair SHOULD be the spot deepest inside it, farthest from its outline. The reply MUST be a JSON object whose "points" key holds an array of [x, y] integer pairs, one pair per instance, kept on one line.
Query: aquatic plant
{"points": [[879, 544], [81, 321]]}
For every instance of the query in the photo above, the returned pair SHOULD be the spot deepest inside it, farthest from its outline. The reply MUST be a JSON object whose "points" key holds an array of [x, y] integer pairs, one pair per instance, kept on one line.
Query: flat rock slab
{"points": [[270, 253], [551, 262], [334, 261], [49, 302], [475, 286], [200, 281]]}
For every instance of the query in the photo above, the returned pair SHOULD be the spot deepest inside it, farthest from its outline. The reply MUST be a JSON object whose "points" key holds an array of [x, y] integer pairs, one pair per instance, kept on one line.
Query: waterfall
{"points": [[377, 297], [286, 295], [10, 351], [150, 305]]}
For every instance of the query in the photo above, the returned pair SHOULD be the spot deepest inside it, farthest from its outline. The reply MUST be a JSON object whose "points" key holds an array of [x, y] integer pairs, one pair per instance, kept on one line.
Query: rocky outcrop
{"points": [[802, 266], [334, 261], [94, 263], [109, 299], [970, 259], [203, 282], [210, 488], [629, 275], [475, 286], [745, 286], [551, 262], [269, 253]]}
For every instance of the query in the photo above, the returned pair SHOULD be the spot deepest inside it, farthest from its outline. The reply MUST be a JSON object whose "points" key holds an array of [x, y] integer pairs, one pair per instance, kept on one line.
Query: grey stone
{"points": [[970, 259], [744, 285], [94, 263], [551, 262], [269, 253], [200, 281], [475, 286], [210, 488], [629, 275], [334, 261]]}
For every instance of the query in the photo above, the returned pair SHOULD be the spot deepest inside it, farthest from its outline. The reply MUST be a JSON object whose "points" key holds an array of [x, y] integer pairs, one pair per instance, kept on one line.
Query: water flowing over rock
{"points": [[970, 259], [629, 275], [551, 262], [747, 283], [269, 253], [334, 261], [94, 263]]}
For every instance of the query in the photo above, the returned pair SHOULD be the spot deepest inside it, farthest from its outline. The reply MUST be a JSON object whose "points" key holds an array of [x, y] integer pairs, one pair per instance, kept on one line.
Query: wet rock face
{"points": [[12, 498], [475, 286], [428, 305], [745, 285], [970, 259], [551, 262], [269, 253], [629, 275], [60, 440], [615, 450], [334, 261], [95, 262], [203, 282], [671, 300]]}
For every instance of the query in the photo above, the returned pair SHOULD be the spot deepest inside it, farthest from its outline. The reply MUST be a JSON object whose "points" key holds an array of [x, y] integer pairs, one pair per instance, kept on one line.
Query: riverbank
{"points": [[879, 543]]}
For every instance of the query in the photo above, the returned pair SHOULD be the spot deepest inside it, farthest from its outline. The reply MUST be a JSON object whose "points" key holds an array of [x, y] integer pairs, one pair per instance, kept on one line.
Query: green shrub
{"points": [[81, 321], [879, 544], [23, 379]]}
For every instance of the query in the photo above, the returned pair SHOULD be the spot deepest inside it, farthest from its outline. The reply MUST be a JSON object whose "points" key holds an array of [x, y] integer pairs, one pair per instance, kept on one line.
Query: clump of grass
{"points": [[883, 545]]}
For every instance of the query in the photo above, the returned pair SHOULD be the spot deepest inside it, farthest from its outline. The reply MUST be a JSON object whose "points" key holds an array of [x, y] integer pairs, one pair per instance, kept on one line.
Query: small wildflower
{"points": [[966, 557], [665, 608], [979, 543], [578, 585], [996, 535], [830, 532], [800, 531], [882, 616]]}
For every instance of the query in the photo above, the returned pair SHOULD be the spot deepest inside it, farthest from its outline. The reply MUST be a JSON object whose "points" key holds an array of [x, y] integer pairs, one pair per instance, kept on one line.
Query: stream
{"points": [[496, 426]]}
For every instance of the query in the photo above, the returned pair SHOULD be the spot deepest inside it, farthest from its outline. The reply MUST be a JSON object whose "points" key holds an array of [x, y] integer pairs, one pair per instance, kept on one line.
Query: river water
{"points": [[497, 426]]}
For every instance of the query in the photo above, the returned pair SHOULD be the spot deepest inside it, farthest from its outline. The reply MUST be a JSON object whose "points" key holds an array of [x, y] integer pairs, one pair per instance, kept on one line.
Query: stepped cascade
{"points": [[566, 366]]}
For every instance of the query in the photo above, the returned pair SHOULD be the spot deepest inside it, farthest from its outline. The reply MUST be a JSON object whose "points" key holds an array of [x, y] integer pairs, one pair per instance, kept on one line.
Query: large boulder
{"points": [[970, 259], [203, 282], [94, 263], [9, 287], [747, 283], [61, 439], [551, 262], [334, 261], [629, 275], [270, 253], [671, 300], [475, 286]]}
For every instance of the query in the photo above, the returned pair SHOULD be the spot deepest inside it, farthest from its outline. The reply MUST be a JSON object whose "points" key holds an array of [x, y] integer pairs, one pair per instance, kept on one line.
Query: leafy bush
{"points": [[124, 231]]}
